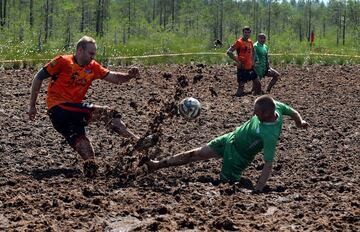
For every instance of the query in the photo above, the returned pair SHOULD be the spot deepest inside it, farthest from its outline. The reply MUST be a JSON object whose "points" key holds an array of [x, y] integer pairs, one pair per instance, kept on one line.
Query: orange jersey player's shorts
{"points": [[245, 50], [70, 81]]}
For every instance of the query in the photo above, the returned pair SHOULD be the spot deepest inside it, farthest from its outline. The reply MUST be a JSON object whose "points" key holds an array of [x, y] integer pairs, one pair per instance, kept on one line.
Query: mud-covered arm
{"points": [[299, 122], [230, 53], [35, 89], [120, 77], [265, 174]]}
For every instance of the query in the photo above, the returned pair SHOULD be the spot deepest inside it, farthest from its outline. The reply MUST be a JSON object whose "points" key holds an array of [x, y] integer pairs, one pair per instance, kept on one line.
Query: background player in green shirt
{"points": [[239, 147], [262, 67]]}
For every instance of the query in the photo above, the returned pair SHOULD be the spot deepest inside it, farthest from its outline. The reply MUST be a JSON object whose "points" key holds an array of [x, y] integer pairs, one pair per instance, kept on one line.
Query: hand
{"points": [[134, 72], [303, 124], [239, 65], [32, 112]]}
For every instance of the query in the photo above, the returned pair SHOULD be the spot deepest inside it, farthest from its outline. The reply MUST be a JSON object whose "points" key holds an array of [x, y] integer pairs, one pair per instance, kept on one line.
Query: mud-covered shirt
{"points": [[261, 58], [238, 148], [245, 52], [70, 81]]}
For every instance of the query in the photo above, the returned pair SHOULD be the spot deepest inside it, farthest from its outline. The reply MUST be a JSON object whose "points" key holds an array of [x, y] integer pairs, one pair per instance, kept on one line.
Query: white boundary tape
{"points": [[189, 54]]}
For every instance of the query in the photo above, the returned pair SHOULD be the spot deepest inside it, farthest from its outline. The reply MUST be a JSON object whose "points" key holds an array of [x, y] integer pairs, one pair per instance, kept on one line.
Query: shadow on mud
{"points": [[40, 174]]}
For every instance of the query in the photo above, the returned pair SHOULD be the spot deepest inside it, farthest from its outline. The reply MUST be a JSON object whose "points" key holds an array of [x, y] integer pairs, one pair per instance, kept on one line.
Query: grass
{"points": [[283, 50]]}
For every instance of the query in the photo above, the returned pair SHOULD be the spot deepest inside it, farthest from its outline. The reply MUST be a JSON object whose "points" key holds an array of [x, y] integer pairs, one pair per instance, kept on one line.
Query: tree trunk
{"points": [[309, 23], [82, 22], [46, 26], [172, 14], [31, 14], [3, 4], [221, 20], [129, 20], [269, 21], [98, 17], [344, 24]]}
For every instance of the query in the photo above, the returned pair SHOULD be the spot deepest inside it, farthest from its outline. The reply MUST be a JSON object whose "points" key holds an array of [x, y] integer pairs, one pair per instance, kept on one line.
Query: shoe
{"points": [[145, 166], [147, 142], [90, 168]]}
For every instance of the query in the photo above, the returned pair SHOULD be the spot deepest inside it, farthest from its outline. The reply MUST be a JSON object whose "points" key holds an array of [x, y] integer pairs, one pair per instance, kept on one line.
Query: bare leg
{"points": [[275, 77], [257, 86], [197, 154], [84, 148], [240, 89], [112, 119]]}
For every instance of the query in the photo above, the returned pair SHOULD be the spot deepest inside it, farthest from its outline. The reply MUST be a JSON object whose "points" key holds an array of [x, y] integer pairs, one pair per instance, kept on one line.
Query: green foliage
{"points": [[146, 27]]}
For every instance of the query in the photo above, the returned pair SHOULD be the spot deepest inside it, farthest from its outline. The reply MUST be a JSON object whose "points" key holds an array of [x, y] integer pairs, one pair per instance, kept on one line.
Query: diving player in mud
{"points": [[245, 62], [239, 147], [71, 77], [262, 65]]}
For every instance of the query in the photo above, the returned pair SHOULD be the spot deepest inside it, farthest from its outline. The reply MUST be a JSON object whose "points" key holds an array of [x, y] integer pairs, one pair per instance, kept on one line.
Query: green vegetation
{"points": [[128, 31]]}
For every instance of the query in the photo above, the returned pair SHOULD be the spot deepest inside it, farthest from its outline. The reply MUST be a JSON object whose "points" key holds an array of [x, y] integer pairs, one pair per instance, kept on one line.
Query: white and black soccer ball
{"points": [[190, 108]]}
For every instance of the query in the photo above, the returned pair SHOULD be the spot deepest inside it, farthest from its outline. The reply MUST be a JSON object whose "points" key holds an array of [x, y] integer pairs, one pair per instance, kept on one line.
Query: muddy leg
{"points": [[275, 77], [201, 153], [112, 120], [84, 148]]}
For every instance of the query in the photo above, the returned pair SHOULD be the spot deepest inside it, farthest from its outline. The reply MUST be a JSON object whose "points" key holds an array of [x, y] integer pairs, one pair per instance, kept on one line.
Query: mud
{"points": [[314, 185]]}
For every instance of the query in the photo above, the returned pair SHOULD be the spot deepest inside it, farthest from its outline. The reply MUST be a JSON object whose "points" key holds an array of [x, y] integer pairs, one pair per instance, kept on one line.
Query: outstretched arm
{"points": [[120, 77], [299, 122], [35, 89], [265, 174]]}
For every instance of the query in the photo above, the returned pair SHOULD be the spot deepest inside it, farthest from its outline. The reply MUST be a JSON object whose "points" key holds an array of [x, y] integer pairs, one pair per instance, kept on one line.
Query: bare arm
{"points": [[35, 89], [299, 122], [265, 174], [230, 53], [120, 77]]}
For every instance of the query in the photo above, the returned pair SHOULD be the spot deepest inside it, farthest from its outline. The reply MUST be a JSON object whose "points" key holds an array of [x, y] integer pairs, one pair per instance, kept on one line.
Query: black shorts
{"points": [[70, 119], [245, 75]]}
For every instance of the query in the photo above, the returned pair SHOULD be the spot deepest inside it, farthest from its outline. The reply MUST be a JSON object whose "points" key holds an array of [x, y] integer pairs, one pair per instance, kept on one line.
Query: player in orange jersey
{"points": [[71, 77], [245, 61]]}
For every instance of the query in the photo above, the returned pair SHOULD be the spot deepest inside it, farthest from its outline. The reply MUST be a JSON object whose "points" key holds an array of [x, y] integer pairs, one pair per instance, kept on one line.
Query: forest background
{"points": [[32, 31]]}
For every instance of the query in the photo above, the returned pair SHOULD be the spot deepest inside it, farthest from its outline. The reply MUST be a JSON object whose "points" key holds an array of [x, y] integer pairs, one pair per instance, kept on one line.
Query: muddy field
{"points": [[314, 186]]}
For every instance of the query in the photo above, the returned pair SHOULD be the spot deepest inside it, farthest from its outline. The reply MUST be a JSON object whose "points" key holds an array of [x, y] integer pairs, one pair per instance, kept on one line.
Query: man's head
{"points": [[85, 50], [246, 32], [264, 108], [261, 38]]}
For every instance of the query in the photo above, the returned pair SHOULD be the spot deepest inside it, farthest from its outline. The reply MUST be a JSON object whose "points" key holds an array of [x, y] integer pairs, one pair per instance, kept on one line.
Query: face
{"points": [[261, 39], [262, 116], [246, 34], [87, 55]]}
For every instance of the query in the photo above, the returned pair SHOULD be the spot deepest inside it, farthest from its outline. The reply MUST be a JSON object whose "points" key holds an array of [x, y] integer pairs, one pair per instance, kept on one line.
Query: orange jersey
{"points": [[245, 51], [70, 81]]}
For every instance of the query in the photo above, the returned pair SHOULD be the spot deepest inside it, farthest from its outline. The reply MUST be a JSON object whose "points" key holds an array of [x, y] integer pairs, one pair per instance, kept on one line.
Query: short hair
{"points": [[84, 41], [246, 28], [261, 34], [266, 103]]}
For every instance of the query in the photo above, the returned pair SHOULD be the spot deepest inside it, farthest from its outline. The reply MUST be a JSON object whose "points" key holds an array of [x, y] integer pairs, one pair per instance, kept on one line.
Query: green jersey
{"points": [[261, 58], [239, 148]]}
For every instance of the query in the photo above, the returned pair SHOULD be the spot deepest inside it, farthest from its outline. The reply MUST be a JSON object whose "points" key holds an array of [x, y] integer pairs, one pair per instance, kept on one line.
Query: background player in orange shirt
{"points": [[245, 61], [71, 77]]}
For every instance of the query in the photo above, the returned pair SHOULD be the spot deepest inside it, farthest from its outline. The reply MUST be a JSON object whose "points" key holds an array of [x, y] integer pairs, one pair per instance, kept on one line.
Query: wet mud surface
{"points": [[314, 185]]}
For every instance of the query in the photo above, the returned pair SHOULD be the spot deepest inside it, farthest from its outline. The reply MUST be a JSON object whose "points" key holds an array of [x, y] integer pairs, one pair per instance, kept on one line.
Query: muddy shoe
{"points": [[146, 166], [90, 168], [147, 142]]}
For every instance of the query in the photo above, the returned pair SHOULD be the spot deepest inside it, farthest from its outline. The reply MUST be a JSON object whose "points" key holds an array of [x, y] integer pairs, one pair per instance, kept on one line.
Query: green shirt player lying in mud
{"points": [[239, 148]]}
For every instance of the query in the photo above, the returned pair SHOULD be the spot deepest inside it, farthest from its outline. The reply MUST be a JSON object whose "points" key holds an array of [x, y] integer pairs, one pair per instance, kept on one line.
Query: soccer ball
{"points": [[190, 108]]}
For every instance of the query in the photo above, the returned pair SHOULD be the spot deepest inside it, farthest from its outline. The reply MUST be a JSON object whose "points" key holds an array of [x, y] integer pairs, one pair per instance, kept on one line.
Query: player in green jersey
{"points": [[262, 67], [239, 147]]}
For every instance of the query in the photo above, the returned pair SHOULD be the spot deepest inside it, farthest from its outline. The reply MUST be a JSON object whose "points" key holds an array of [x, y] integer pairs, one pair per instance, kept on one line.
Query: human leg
{"points": [[112, 120], [256, 86], [85, 149], [71, 124], [275, 77], [197, 154]]}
